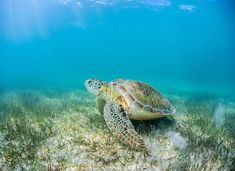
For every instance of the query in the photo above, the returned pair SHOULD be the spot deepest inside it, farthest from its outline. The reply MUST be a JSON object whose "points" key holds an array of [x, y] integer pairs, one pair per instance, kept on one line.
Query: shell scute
{"points": [[143, 96]]}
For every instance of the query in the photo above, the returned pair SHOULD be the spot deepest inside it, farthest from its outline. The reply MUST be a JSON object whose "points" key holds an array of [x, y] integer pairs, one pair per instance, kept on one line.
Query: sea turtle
{"points": [[121, 100]]}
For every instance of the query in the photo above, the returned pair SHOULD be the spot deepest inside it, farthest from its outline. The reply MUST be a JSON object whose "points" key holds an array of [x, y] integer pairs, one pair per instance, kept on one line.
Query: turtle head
{"points": [[95, 86]]}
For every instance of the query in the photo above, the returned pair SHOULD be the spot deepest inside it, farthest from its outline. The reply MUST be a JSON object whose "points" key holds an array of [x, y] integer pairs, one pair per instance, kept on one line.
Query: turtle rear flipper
{"points": [[119, 124]]}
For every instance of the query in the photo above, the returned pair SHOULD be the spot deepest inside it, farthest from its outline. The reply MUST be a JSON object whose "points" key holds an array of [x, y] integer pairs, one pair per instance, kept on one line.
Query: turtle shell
{"points": [[143, 96]]}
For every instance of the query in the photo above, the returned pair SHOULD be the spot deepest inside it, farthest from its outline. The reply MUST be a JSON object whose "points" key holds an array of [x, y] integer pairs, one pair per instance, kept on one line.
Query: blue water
{"points": [[170, 44]]}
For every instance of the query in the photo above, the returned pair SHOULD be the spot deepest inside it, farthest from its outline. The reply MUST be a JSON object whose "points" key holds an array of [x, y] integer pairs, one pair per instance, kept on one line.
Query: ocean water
{"points": [[61, 43], [186, 49]]}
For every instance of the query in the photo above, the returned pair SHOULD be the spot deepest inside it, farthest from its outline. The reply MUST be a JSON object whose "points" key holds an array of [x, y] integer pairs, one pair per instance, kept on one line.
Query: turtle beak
{"points": [[88, 85], [172, 111]]}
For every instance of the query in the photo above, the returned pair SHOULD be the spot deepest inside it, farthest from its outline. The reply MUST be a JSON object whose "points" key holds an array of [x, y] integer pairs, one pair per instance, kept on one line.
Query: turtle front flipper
{"points": [[100, 103], [119, 124]]}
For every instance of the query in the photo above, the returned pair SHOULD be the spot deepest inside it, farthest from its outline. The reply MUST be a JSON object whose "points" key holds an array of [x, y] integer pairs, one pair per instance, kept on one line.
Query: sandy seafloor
{"points": [[52, 129]]}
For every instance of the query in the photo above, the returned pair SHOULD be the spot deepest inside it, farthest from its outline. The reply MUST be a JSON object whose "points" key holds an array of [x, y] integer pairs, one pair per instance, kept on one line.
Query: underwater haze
{"points": [[183, 48], [63, 42]]}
